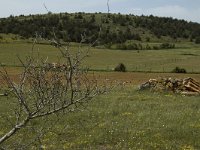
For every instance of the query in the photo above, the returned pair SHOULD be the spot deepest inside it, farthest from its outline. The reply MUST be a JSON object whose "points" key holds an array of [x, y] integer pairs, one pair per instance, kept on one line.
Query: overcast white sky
{"points": [[182, 9]]}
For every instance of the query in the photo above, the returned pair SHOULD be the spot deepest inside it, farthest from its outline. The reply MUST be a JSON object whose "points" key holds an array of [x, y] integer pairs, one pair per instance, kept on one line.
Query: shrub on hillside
{"points": [[197, 41], [155, 47], [167, 46], [179, 70], [132, 46], [148, 47], [121, 46], [120, 68], [147, 39], [129, 46]]}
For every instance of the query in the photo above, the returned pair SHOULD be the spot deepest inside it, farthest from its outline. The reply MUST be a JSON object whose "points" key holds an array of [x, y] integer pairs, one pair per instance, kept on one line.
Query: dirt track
{"points": [[132, 78]]}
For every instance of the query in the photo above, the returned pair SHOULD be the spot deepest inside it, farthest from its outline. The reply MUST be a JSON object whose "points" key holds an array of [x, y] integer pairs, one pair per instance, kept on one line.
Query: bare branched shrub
{"points": [[46, 89]]}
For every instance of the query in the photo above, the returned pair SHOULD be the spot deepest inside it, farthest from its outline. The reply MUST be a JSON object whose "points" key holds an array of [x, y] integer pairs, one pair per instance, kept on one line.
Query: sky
{"points": [[182, 9]]}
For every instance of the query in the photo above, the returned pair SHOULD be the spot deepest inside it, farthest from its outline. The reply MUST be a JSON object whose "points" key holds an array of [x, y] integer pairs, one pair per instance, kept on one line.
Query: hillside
{"points": [[109, 29]]}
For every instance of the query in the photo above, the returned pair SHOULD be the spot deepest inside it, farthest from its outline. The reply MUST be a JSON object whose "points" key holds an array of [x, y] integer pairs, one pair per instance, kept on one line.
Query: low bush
{"points": [[167, 46], [197, 40], [139, 46], [120, 68], [155, 47], [179, 70], [129, 46]]}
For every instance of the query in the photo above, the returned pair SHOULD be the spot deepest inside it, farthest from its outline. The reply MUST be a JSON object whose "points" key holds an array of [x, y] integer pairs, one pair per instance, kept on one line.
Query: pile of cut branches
{"points": [[186, 86]]}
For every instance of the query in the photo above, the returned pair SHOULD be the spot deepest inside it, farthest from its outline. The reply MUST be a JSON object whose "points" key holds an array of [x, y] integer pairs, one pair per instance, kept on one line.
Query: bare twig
{"points": [[108, 6], [44, 89]]}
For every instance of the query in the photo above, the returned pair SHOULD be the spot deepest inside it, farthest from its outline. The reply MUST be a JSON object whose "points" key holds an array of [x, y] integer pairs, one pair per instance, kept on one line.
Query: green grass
{"points": [[125, 119], [132, 120], [187, 57]]}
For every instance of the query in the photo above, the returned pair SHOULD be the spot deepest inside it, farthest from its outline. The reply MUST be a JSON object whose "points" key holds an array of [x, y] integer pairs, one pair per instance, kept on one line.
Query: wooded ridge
{"points": [[115, 28]]}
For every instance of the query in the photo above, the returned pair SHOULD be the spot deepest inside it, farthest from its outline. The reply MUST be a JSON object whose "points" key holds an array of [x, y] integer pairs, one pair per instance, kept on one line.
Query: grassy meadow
{"points": [[124, 118], [186, 55]]}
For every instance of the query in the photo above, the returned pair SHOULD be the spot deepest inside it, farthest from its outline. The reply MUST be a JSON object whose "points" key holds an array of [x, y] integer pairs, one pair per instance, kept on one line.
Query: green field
{"points": [[124, 118], [185, 56]]}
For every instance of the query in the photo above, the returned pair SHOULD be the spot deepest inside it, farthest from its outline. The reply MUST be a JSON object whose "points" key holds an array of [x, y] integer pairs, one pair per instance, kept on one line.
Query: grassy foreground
{"points": [[125, 119]]}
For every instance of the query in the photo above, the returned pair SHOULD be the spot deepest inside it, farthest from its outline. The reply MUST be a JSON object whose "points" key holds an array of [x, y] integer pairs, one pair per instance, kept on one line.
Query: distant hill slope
{"points": [[108, 28]]}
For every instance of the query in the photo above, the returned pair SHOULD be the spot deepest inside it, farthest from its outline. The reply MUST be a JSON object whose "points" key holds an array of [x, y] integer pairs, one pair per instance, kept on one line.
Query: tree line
{"points": [[108, 28]]}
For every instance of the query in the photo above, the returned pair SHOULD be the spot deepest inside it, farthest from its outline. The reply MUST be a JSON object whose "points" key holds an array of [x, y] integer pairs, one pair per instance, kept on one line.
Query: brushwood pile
{"points": [[186, 86]]}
